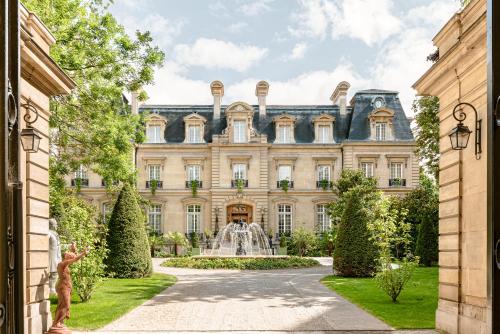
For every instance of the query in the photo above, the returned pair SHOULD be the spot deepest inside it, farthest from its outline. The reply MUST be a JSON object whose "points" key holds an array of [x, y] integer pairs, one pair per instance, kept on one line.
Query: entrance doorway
{"points": [[239, 212]]}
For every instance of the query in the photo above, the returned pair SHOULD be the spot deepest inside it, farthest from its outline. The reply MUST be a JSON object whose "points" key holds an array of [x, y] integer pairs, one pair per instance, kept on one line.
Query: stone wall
{"points": [[40, 79], [460, 76]]}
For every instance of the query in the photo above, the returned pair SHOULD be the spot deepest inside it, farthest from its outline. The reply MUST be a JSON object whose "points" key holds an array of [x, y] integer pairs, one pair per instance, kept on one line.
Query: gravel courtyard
{"points": [[247, 301]]}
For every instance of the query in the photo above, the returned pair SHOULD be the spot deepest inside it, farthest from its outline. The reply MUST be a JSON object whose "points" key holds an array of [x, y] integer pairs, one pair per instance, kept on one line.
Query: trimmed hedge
{"points": [[245, 263], [354, 254], [427, 242], [129, 253]]}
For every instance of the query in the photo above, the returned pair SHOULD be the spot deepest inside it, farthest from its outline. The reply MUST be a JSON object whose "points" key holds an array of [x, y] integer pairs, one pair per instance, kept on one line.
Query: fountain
{"points": [[241, 239]]}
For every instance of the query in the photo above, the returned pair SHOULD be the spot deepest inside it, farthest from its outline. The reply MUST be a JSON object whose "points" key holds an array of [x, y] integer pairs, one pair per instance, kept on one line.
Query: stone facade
{"points": [[460, 76], [41, 78], [263, 144]]}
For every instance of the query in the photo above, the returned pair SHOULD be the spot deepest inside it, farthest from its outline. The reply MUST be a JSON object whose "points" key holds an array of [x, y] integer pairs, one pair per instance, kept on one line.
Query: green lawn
{"points": [[416, 305], [113, 298]]}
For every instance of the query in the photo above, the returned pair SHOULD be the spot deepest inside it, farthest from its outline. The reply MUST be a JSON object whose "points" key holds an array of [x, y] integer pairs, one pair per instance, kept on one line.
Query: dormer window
{"points": [[381, 124], [154, 134], [155, 128], [380, 131], [194, 134], [323, 129], [195, 128], [284, 129], [239, 131]]}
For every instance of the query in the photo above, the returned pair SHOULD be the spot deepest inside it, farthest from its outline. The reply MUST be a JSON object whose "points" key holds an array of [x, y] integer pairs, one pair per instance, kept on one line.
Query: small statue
{"points": [[54, 254], [63, 289]]}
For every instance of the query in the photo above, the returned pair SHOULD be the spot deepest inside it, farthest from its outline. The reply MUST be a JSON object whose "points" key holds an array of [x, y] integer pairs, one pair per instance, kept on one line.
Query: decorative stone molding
{"points": [[217, 89], [284, 200], [397, 158], [339, 96], [323, 120], [194, 160], [322, 199], [193, 200], [261, 91], [285, 120], [240, 159], [152, 160], [239, 111], [157, 120], [382, 115], [373, 158], [284, 160]]}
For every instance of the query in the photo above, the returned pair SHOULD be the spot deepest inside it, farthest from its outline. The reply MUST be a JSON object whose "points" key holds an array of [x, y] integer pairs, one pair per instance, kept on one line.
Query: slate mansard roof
{"points": [[354, 125]]}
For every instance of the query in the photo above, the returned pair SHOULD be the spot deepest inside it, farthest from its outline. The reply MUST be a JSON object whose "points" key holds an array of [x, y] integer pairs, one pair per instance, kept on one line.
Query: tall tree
{"points": [[426, 109], [93, 126]]}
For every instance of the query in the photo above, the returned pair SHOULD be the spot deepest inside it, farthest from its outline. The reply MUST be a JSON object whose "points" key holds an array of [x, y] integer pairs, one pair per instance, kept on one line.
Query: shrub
{"points": [[326, 241], [177, 239], [245, 263], [127, 239], [427, 242], [392, 279], [355, 253], [195, 239], [77, 223], [303, 243], [156, 242]]}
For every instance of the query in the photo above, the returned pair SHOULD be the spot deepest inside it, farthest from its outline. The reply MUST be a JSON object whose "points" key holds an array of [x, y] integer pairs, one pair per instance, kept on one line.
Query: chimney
{"points": [[261, 91], [339, 96], [134, 103], [217, 89]]}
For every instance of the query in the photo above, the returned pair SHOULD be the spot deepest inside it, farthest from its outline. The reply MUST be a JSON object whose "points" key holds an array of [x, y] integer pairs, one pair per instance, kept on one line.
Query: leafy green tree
{"points": [[427, 243], [77, 223], [422, 205], [303, 243], [176, 239], [127, 240], [426, 109], [93, 126], [156, 241]]}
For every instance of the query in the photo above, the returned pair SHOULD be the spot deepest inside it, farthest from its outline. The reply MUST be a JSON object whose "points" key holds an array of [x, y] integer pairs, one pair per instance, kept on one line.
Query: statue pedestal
{"points": [[58, 330]]}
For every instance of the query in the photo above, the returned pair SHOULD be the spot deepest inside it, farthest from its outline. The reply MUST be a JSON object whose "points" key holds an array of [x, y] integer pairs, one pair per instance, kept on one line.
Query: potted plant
{"points": [[78, 184], [240, 184], [195, 243], [282, 250], [194, 187], [325, 184], [154, 186], [285, 185]]}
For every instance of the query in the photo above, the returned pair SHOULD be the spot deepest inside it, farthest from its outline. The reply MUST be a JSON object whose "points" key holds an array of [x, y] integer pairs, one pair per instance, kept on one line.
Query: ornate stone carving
{"points": [[54, 254]]}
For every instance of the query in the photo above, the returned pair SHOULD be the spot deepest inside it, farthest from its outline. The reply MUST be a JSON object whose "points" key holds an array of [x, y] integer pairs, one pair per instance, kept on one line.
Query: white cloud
{"points": [[237, 27], [255, 7], [218, 9], [367, 20], [298, 52], [213, 53], [311, 20]]}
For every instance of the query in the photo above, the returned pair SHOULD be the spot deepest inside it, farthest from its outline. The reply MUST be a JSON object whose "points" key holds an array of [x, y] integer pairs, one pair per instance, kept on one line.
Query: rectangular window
{"points": [[239, 172], [194, 134], [193, 218], [107, 210], [240, 132], [324, 172], [284, 134], [324, 134], [154, 218], [81, 173], [154, 172], [367, 168], [284, 219], [154, 134], [194, 172], [323, 218], [380, 131], [396, 170], [285, 172]]}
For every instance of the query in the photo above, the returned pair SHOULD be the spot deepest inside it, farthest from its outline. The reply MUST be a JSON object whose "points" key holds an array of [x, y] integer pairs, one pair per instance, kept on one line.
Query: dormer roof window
{"points": [[155, 129], [323, 129], [284, 129], [381, 124], [239, 128], [194, 128]]}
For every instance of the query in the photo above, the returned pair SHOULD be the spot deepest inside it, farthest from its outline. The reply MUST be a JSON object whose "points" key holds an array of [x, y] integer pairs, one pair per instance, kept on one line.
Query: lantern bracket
{"points": [[460, 115], [30, 110]]}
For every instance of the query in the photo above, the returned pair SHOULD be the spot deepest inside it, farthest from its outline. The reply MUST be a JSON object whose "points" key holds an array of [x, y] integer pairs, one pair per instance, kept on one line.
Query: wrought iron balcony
{"points": [[81, 182], [280, 184], [199, 183], [397, 182], [159, 184], [103, 183], [234, 183]]}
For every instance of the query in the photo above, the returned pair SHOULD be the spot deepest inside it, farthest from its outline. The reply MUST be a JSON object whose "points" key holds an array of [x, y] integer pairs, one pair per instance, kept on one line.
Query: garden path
{"points": [[278, 301]]}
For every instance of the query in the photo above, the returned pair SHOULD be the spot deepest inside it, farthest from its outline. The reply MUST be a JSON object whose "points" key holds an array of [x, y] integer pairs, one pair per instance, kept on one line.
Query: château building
{"points": [[205, 165]]}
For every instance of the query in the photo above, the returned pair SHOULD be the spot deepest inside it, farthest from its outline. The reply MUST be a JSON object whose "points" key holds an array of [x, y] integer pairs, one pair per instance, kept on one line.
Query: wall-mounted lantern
{"points": [[459, 136], [30, 139]]}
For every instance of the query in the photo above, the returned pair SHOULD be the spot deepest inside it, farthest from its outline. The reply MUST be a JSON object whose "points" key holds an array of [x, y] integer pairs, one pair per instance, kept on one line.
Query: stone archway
{"points": [[237, 212]]}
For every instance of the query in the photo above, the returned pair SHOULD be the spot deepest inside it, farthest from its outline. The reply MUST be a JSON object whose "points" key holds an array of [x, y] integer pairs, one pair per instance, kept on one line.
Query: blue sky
{"points": [[303, 48]]}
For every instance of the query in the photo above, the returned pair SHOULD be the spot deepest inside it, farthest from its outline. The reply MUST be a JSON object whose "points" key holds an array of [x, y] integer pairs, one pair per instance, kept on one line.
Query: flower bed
{"points": [[241, 263]]}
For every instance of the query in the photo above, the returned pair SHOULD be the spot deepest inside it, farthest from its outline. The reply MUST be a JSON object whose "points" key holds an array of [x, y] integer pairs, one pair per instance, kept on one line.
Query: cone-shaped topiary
{"points": [[355, 254], [129, 253], [427, 242]]}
